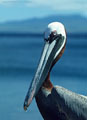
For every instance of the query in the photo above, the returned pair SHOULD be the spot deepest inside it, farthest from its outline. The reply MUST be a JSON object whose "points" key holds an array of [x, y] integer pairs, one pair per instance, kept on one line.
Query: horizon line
{"points": [[40, 17]]}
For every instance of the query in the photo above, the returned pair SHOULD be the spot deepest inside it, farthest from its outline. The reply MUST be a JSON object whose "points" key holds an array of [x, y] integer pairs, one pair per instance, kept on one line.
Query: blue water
{"points": [[18, 61]]}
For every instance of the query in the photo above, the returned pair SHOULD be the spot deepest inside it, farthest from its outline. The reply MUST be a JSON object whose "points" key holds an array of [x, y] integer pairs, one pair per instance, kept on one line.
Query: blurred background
{"points": [[22, 24]]}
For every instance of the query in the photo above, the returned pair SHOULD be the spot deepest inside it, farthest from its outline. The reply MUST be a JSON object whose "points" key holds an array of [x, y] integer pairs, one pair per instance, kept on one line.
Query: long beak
{"points": [[48, 54]]}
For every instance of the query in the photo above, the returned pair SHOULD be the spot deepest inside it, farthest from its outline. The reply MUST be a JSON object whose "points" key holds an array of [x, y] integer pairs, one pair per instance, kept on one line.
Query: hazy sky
{"points": [[22, 9]]}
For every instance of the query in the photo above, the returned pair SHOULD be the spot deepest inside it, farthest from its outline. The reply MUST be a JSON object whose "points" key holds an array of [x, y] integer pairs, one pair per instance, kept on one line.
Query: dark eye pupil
{"points": [[53, 36], [50, 38]]}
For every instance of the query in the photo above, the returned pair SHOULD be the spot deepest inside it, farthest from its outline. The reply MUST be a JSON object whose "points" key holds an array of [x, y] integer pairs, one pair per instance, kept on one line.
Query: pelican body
{"points": [[54, 102]]}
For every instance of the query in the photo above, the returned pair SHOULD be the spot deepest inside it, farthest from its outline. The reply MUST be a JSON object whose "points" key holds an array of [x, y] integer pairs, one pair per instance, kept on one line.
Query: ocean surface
{"points": [[19, 57]]}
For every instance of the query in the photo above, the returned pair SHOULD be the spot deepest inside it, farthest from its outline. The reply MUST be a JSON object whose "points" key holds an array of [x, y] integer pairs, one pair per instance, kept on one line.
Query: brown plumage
{"points": [[46, 105], [54, 102]]}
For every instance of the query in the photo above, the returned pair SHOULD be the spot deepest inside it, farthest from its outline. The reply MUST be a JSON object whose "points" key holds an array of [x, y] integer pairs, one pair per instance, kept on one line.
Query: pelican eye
{"points": [[53, 37]]}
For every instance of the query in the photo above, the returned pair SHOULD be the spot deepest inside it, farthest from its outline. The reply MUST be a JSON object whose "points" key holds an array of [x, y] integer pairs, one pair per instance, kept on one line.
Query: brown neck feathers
{"points": [[47, 83]]}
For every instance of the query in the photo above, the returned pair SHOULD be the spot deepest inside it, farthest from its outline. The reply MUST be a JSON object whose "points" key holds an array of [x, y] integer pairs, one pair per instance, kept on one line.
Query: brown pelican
{"points": [[54, 102]]}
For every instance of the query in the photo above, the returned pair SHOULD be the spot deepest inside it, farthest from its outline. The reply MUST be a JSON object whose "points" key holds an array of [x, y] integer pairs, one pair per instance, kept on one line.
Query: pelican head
{"points": [[55, 39]]}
